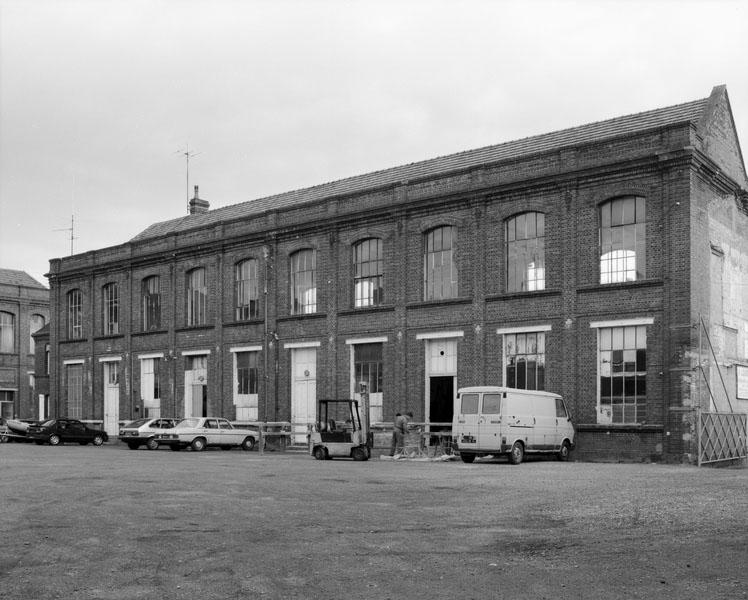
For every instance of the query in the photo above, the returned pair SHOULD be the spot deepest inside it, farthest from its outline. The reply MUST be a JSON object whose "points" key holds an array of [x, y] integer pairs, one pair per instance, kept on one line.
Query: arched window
{"points": [[622, 240], [75, 314], [525, 252], [197, 297], [7, 332], [303, 282], [368, 273], [36, 322], [439, 268], [246, 294], [151, 299], [110, 309]]}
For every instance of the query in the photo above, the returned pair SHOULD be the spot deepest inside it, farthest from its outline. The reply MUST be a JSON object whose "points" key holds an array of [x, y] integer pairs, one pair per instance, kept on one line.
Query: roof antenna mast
{"points": [[187, 156], [71, 229]]}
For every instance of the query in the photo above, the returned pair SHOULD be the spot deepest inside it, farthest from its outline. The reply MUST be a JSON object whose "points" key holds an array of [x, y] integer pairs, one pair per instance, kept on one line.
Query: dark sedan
{"points": [[59, 431]]}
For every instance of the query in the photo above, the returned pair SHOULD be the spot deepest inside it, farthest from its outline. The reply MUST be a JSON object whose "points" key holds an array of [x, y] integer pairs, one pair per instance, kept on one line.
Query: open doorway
{"points": [[441, 400]]}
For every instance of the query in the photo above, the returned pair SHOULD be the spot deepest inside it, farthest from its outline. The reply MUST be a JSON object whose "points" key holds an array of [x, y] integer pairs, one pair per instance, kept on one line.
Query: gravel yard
{"points": [[111, 523]]}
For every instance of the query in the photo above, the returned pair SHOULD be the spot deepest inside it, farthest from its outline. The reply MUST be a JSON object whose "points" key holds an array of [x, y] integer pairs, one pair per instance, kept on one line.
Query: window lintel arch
{"points": [[602, 199], [428, 225]]}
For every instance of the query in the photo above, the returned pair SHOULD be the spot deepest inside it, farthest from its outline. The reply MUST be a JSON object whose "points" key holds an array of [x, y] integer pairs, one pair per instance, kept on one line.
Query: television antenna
{"points": [[71, 229], [187, 156]]}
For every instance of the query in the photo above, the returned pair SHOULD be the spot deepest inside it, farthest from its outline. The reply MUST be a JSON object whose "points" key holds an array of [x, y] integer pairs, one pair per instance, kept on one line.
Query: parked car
{"points": [[141, 432], [59, 431], [198, 433]]}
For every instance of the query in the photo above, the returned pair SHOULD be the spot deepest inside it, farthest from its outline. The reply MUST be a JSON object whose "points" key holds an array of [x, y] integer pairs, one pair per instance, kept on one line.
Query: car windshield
{"points": [[137, 423], [48, 423], [188, 423]]}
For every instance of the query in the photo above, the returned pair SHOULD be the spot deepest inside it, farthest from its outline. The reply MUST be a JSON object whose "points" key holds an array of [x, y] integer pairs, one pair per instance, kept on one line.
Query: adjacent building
{"points": [[607, 262], [24, 309]]}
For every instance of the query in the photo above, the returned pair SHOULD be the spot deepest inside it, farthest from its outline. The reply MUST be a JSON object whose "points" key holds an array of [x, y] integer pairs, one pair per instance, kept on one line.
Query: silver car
{"points": [[200, 432], [142, 432]]}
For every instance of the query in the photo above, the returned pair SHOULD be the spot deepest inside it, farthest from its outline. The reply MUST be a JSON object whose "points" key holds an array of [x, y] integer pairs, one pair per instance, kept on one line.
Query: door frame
{"points": [[111, 398], [430, 339], [296, 438]]}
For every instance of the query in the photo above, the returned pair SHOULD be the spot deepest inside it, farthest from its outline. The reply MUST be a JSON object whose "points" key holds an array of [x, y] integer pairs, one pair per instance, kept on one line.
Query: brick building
{"points": [[24, 309], [581, 262]]}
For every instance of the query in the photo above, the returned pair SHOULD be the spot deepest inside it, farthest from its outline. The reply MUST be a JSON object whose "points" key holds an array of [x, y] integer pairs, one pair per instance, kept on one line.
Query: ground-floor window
{"points": [[150, 386], [623, 374], [525, 360], [368, 369], [74, 387], [246, 385], [6, 404]]}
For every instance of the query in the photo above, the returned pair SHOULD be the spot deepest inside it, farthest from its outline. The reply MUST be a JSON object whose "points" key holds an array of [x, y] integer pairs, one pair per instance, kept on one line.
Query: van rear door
{"points": [[489, 422], [465, 421]]}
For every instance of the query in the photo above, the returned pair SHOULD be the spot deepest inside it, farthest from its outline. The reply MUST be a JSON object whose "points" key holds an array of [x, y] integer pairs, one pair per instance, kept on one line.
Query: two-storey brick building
{"points": [[24, 310], [580, 262]]}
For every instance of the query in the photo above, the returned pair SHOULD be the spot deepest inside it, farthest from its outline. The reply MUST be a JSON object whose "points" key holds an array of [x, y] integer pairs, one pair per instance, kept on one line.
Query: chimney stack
{"points": [[198, 205]]}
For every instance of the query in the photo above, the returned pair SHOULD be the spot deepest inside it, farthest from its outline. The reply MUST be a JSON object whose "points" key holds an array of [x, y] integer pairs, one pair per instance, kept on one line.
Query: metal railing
{"points": [[721, 436]]}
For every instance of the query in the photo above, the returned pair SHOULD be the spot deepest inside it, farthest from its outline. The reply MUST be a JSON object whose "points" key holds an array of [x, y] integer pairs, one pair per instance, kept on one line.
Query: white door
{"points": [[111, 397], [195, 386], [304, 392]]}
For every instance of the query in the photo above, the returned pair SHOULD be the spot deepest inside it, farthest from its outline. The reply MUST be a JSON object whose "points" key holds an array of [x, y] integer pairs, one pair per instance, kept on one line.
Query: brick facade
{"points": [[693, 205]]}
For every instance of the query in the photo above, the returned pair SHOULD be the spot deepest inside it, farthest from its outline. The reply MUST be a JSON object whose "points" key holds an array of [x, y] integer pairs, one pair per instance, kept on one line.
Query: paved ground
{"points": [[111, 523]]}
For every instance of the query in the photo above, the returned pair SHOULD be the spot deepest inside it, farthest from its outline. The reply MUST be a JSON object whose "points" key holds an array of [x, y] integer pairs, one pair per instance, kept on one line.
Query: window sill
{"points": [[367, 309], [601, 287], [113, 336], [74, 340], [317, 315], [150, 332], [441, 302], [195, 328], [246, 323], [619, 427], [527, 294]]}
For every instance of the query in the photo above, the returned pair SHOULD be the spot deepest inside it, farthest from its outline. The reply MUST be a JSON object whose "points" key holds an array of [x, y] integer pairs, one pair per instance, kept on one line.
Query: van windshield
{"points": [[469, 404]]}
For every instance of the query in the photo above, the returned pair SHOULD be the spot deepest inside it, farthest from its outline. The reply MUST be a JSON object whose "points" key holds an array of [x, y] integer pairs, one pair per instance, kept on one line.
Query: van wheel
{"points": [[517, 453], [467, 458], [563, 453]]}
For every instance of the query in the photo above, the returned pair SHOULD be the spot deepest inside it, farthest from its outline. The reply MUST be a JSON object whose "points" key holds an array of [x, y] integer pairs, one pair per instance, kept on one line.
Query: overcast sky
{"points": [[100, 99]]}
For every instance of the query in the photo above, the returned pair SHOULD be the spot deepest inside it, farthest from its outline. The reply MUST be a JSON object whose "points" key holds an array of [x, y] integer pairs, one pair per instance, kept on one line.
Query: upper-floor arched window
{"points": [[36, 322], [525, 252], [368, 273], [439, 267], [246, 290], [150, 292], [623, 239], [304, 282], [7, 332], [110, 309], [74, 314], [197, 297]]}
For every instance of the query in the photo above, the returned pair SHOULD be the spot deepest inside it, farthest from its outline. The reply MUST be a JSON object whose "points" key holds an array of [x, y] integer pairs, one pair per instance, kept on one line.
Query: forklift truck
{"points": [[339, 432]]}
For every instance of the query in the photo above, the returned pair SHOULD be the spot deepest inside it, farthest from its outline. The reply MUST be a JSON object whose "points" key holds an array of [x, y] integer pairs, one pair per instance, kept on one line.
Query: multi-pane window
{"points": [[440, 270], [151, 297], [7, 332], [303, 282], [247, 381], [110, 307], [35, 324], [246, 290], [525, 360], [75, 314], [150, 385], [368, 273], [7, 403], [525, 252], [74, 381], [623, 374], [197, 297], [368, 366], [622, 240]]}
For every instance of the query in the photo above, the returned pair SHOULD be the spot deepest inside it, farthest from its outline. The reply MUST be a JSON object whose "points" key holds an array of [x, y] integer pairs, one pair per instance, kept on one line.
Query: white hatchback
{"points": [[141, 432]]}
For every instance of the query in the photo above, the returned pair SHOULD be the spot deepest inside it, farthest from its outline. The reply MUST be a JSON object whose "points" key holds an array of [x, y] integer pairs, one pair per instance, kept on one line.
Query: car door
{"points": [[226, 432], [211, 432], [74, 432]]}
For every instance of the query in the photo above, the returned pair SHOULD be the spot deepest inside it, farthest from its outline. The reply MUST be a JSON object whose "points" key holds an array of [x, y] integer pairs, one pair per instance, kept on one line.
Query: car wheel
{"points": [[320, 453], [359, 454], [517, 453], [152, 444], [132, 445], [98, 440], [248, 443], [467, 458], [563, 453], [198, 444], [54, 439]]}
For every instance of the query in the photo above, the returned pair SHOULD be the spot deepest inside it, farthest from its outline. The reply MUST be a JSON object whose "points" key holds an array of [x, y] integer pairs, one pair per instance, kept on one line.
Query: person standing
{"points": [[400, 425]]}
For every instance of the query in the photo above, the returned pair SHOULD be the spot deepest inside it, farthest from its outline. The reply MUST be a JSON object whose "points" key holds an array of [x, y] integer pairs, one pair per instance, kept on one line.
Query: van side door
{"points": [[545, 422]]}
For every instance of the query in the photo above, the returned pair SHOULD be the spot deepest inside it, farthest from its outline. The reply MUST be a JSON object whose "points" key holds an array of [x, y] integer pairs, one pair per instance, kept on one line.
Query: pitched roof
{"points": [[689, 112], [12, 277]]}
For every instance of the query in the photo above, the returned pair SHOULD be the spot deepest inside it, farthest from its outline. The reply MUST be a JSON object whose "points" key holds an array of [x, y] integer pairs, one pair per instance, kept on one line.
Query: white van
{"points": [[499, 420]]}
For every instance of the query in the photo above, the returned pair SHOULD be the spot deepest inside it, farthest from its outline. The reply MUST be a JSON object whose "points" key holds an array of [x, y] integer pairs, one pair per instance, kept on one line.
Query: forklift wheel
{"points": [[359, 454], [320, 453]]}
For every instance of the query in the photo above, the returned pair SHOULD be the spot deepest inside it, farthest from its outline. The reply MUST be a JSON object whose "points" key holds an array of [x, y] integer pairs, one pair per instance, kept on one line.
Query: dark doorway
{"points": [[441, 400]]}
